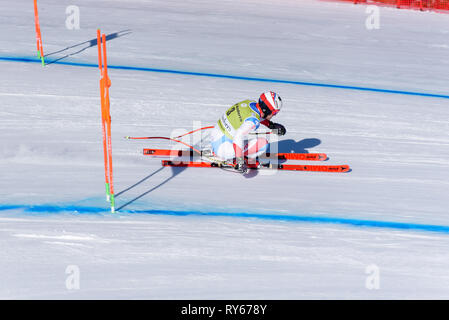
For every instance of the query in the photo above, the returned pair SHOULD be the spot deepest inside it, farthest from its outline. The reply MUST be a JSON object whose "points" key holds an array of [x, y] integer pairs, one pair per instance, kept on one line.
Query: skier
{"points": [[230, 135]]}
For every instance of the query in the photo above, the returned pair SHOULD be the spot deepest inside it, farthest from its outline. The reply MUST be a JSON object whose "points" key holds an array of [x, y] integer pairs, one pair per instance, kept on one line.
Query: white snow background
{"points": [[206, 233]]}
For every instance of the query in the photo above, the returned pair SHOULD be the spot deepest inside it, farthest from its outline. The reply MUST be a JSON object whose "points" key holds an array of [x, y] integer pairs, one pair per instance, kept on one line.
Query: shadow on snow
{"points": [[175, 172], [80, 47]]}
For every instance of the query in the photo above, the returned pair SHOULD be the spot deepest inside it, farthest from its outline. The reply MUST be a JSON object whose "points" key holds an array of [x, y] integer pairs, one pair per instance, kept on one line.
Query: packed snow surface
{"points": [[206, 233]]}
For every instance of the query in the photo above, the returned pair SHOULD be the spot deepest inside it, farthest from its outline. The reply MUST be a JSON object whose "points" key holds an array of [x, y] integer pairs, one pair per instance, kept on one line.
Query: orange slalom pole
{"points": [[100, 64], [103, 120], [36, 19], [107, 84], [40, 48]]}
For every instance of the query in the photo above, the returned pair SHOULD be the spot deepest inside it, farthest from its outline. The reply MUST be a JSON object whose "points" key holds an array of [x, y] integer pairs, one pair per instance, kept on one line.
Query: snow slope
{"points": [[197, 233]]}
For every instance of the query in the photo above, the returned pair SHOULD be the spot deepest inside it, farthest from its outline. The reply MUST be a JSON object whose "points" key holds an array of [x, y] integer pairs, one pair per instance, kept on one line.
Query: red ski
{"points": [[291, 167], [279, 156], [299, 156]]}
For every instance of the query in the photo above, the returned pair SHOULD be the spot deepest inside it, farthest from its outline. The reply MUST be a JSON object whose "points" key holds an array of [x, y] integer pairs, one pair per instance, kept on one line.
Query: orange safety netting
{"points": [[434, 5]]}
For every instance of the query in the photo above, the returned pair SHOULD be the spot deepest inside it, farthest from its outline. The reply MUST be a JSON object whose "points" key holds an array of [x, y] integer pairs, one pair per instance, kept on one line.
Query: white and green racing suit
{"points": [[230, 134]]}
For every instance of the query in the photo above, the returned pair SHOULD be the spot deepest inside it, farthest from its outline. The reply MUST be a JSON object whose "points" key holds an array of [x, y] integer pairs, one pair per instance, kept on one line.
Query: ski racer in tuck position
{"points": [[230, 140]]}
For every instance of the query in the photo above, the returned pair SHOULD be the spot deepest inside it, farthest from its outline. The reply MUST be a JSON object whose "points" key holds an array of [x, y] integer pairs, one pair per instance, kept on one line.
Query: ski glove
{"points": [[278, 128], [240, 165]]}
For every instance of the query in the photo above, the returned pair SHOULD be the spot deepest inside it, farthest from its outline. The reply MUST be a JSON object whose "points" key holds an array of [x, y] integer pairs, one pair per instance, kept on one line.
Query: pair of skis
{"points": [[275, 160], [269, 165]]}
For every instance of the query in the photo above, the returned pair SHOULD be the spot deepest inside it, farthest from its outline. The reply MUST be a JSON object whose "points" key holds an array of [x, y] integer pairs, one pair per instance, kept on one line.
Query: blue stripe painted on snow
{"points": [[293, 218], [225, 76]]}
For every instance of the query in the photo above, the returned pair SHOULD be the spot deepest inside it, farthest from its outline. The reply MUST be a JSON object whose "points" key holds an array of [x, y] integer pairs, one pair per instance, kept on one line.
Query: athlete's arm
{"points": [[279, 128], [266, 123]]}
